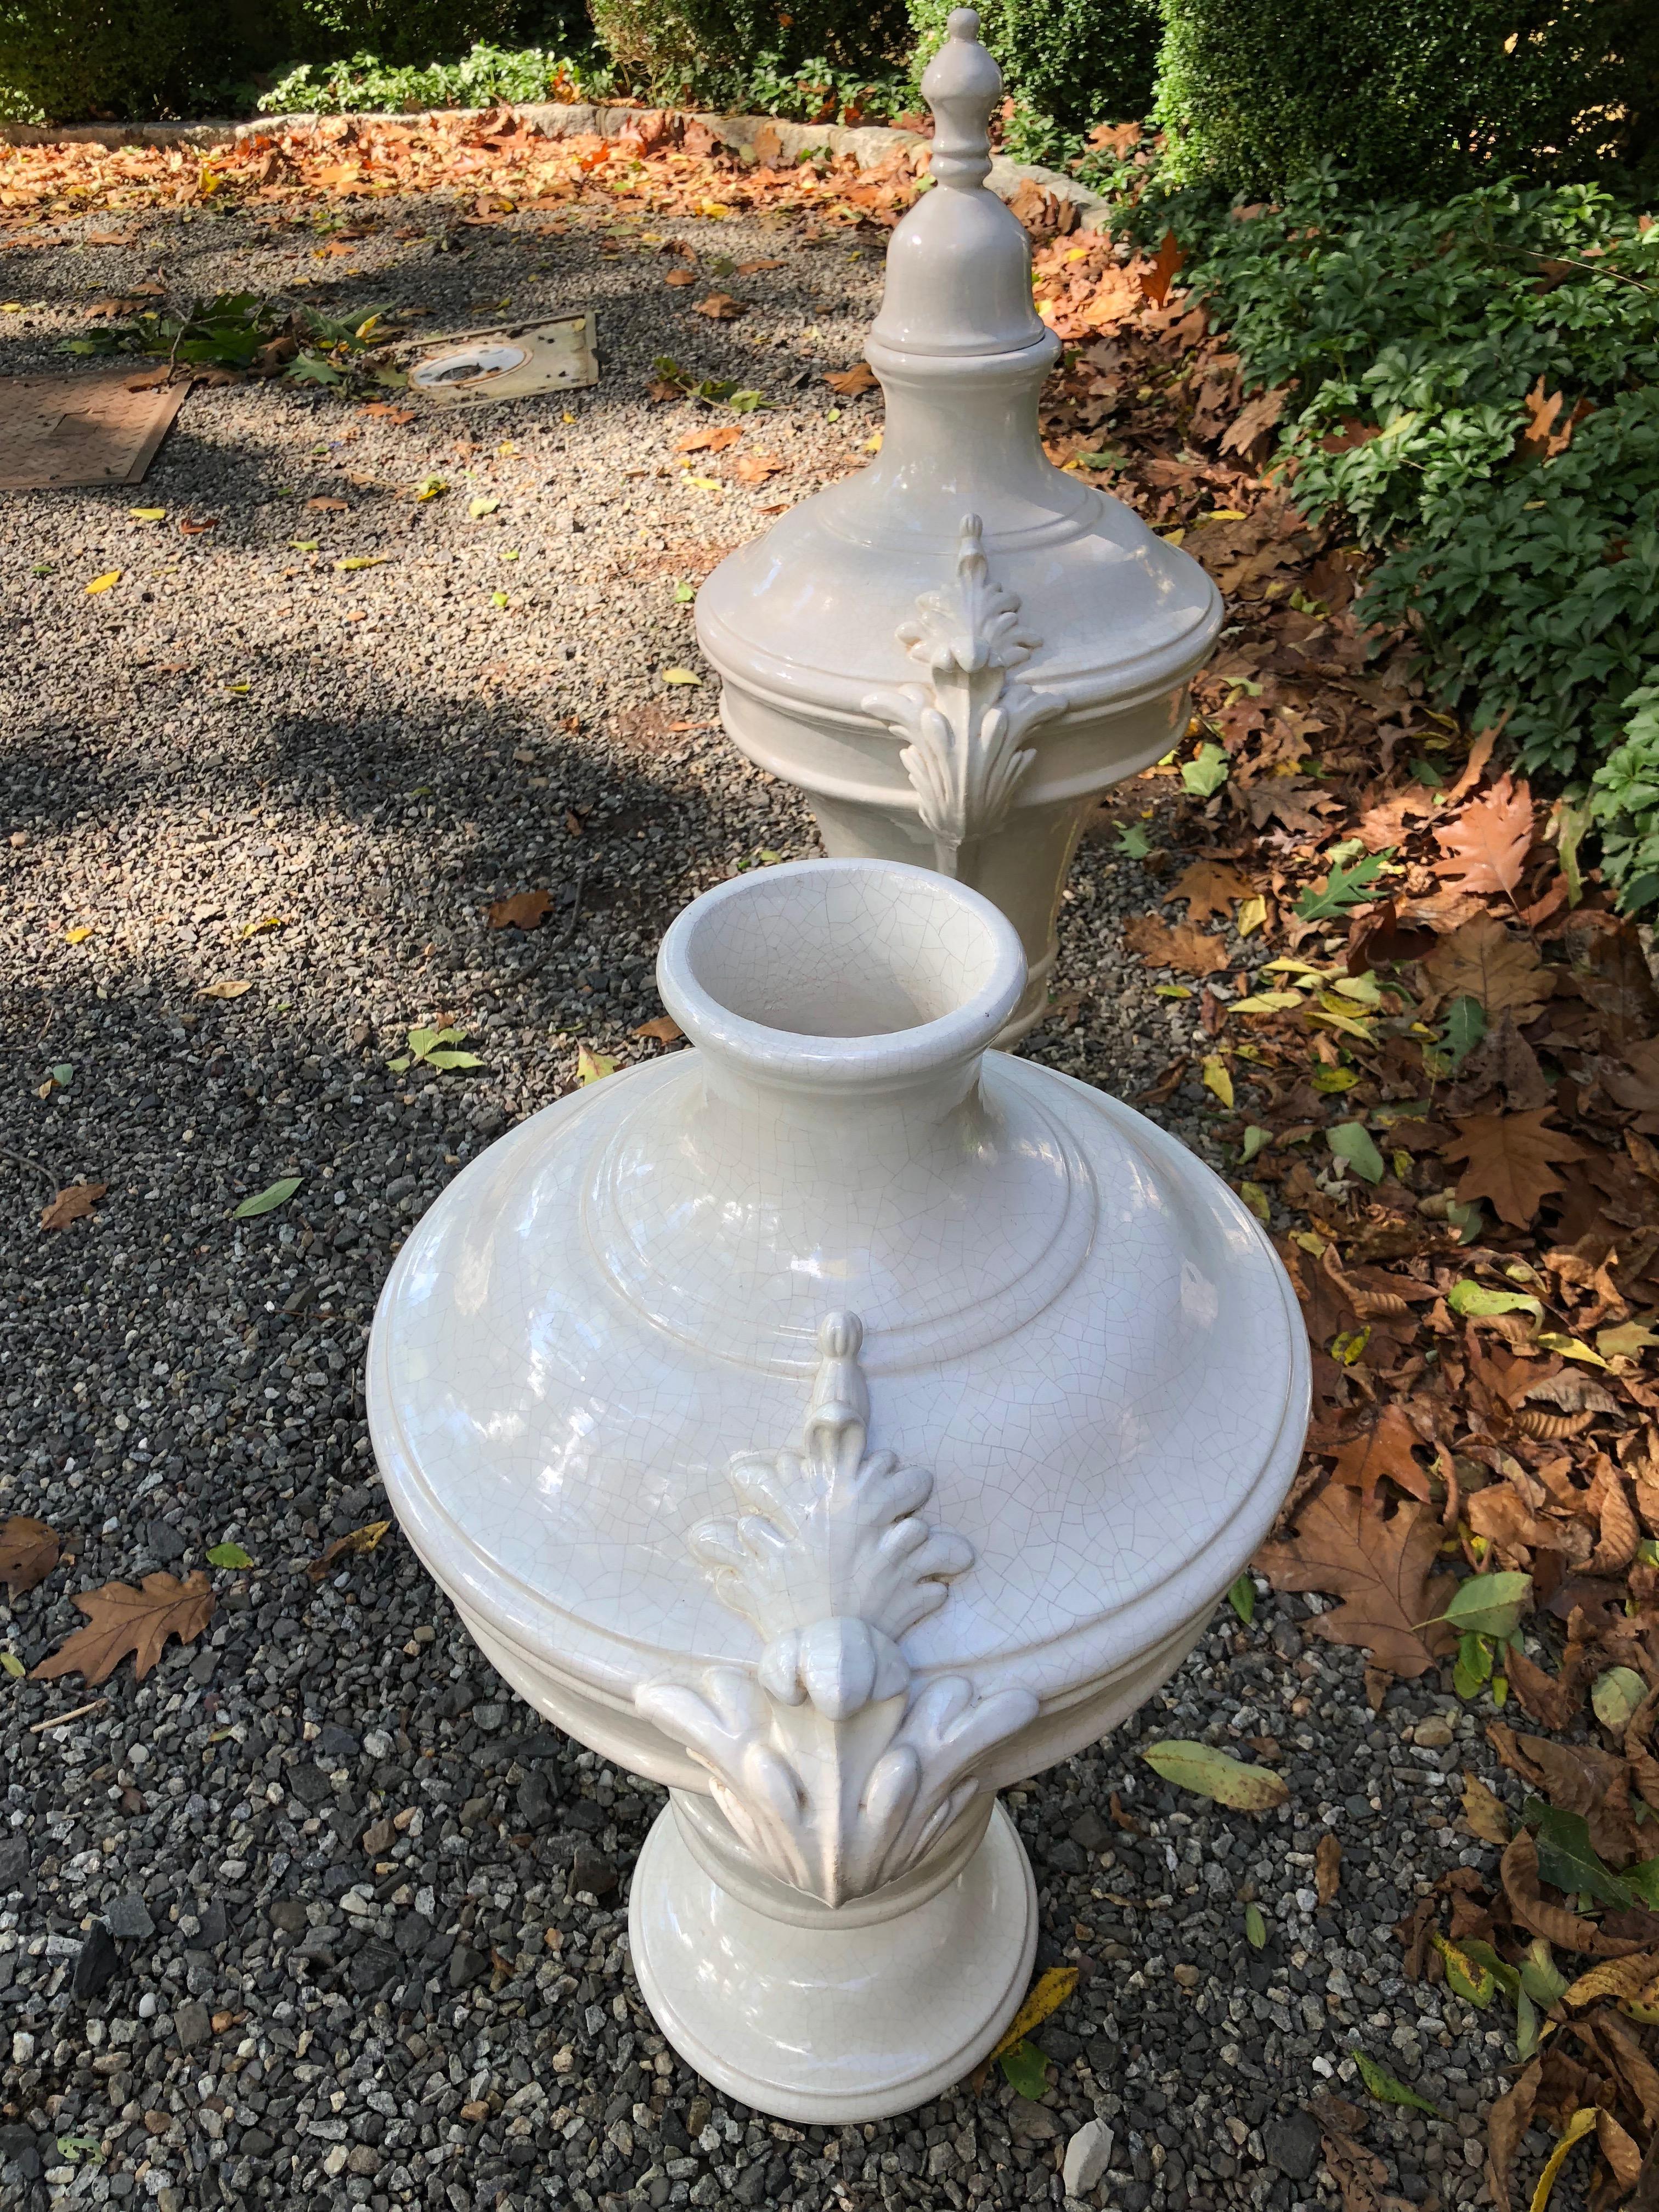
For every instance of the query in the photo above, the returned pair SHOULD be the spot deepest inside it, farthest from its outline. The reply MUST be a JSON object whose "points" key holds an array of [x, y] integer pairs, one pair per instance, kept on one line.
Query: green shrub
{"points": [[1410, 339], [1623, 804], [1408, 95], [65, 60], [418, 33], [1073, 63], [704, 50], [479, 79]]}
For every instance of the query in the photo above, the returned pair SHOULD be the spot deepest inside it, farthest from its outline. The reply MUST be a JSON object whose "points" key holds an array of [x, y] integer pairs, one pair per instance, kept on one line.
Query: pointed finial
{"points": [[961, 84]]}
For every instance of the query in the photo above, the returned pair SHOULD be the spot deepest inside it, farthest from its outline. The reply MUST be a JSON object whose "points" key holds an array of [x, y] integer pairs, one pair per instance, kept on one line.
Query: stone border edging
{"points": [[869, 144]]}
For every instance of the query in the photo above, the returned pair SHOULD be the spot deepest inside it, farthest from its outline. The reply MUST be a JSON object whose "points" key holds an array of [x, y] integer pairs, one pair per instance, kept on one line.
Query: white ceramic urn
{"points": [[836, 1422], [956, 651]]}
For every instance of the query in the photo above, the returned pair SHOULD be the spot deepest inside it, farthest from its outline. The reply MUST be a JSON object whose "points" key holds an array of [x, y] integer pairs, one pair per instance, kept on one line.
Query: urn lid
{"points": [[815, 616], [836, 1318]]}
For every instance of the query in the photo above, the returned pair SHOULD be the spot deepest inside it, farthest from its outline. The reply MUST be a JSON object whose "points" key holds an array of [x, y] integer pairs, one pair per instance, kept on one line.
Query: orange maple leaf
{"points": [[1154, 281], [1486, 847]]}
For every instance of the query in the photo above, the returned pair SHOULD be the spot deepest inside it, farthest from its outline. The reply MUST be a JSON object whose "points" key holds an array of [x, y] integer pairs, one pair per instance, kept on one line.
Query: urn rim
{"points": [[870, 973]]}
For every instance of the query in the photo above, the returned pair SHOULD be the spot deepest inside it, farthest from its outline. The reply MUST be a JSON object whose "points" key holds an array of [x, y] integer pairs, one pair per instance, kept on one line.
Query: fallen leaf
{"points": [[356, 1543], [121, 1620], [849, 382], [229, 989], [1499, 966], [1327, 1867], [228, 1555], [1254, 419], [1217, 1078], [1615, 1696], [1509, 1160], [681, 276], [193, 526], [1386, 1448], [73, 1203], [592, 1066], [1379, 1567], [680, 676], [484, 504], [328, 506], [1154, 281], [1215, 1774], [267, 1201], [1581, 2123], [524, 910], [756, 468], [80, 934], [1483, 1811], [712, 438], [720, 307], [29, 1552], [663, 1028], [1387, 2088], [1486, 847], [105, 583], [1046, 1995], [1209, 887], [1184, 947], [1507, 2123], [360, 561]]}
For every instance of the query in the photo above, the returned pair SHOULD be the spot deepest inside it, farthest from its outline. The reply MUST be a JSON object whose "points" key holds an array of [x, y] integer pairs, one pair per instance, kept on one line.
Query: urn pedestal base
{"points": [[829, 2015]]}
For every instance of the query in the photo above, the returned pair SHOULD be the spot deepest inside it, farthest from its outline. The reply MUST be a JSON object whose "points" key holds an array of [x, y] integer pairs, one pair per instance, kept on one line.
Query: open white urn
{"points": [[956, 651], [836, 1423]]}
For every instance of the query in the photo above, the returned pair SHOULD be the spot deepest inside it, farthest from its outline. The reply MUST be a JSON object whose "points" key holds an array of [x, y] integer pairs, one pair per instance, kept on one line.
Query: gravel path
{"points": [[366, 1914]]}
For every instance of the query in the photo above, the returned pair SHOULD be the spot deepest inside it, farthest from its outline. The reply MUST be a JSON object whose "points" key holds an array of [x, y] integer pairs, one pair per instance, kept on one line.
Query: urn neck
{"points": [[852, 998], [839, 1138]]}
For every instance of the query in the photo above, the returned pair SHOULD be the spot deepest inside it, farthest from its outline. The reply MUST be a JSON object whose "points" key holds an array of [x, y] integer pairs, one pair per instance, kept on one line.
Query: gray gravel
{"points": [[320, 1912]]}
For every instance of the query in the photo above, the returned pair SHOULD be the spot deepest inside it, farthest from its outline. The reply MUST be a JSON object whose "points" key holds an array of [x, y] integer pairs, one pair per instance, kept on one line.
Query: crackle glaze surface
{"points": [[835, 1421], [956, 650], [1072, 1324]]}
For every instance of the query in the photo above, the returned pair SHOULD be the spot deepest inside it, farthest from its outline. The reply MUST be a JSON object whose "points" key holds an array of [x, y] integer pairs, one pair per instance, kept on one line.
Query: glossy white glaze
{"points": [[964, 552], [835, 1422]]}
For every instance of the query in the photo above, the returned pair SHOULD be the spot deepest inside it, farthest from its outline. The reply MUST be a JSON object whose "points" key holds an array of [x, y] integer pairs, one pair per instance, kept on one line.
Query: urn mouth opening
{"points": [[842, 970]]}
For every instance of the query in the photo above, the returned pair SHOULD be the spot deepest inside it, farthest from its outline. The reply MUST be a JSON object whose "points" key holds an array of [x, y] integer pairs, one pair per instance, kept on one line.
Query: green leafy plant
{"points": [[434, 1049], [241, 331], [482, 76], [1067, 63], [1474, 386], [1410, 95], [1623, 804]]}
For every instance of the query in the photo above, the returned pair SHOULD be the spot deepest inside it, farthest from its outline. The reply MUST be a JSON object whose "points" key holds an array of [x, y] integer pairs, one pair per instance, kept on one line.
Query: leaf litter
{"points": [[1443, 983]]}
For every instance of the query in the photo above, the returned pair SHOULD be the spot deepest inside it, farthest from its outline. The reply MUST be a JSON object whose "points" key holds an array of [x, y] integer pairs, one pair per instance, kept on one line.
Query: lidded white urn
{"points": [[956, 651], [836, 1422]]}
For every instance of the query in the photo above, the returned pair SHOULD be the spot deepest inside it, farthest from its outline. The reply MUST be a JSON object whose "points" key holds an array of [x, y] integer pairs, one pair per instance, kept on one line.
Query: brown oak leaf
{"points": [[1379, 1567], [1255, 420], [720, 307], [755, 468], [1486, 847], [524, 910], [1511, 1159], [663, 1028], [1210, 887], [1154, 281], [29, 1552], [1385, 1447], [1183, 947], [120, 1619], [71, 1203], [1498, 966]]}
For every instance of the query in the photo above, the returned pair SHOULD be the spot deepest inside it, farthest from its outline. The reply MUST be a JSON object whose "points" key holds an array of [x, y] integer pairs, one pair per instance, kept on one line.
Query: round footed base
{"points": [[833, 2023]]}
